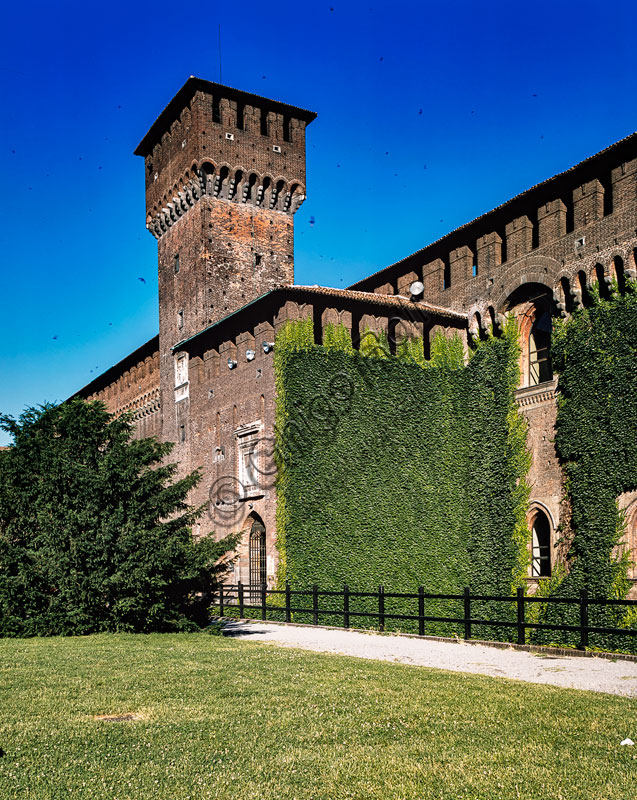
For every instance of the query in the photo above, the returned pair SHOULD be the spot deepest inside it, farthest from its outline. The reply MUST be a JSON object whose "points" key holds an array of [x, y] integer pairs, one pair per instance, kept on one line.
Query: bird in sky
{"points": [[143, 280]]}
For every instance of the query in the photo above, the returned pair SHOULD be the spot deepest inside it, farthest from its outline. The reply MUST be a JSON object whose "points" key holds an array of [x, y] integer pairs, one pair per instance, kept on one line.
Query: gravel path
{"points": [[593, 674]]}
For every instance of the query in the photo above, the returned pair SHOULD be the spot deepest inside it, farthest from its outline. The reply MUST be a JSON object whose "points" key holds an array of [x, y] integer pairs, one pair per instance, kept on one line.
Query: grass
{"points": [[217, 718]]}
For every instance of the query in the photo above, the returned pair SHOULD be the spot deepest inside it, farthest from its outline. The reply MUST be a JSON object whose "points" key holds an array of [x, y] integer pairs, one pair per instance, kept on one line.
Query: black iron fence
{"points": [[340, 608]]}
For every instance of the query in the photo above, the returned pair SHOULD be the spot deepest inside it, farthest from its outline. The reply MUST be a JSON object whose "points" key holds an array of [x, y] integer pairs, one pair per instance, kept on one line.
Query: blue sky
{"points": [[429, 115]]}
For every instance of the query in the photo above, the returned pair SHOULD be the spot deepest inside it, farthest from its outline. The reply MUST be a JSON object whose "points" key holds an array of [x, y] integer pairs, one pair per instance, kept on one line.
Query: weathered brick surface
{"points": [[133, 388], [598, 198]]}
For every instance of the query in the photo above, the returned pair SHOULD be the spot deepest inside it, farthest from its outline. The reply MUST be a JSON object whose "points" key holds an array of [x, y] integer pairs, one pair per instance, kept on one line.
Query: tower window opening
{"points": [[264, 122], [535, 230], [240, 115], [180, 319], [503, 246], [570, 215], [607, 186], [176, 263], [446, 276], [286, 128], [216, 109]]}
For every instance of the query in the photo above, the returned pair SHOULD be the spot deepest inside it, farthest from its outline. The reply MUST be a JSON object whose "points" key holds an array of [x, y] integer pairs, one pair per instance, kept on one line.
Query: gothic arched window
{"points": [[541, 546]]}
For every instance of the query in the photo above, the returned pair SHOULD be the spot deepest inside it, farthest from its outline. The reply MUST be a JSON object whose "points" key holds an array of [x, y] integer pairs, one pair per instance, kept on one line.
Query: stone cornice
{"points": [[534, 395], [142, 406]]}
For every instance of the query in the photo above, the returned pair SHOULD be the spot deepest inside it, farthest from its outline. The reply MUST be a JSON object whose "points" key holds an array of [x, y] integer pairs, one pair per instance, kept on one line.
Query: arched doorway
{"points": [[540, 545], [257, 556]]}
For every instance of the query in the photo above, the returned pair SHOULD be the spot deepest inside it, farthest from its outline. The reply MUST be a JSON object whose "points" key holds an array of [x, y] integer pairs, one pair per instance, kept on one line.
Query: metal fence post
{"points": [[315, 603], [288, 603], [381, 608], [221, 599], [240, 597], [421, 611], [520, 607], [346, 606], [467, 613], [583, 620], [263, 601]]}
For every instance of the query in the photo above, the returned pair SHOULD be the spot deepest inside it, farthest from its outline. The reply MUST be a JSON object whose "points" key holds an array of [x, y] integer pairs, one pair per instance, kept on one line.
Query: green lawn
{"points": [[229, 719]]}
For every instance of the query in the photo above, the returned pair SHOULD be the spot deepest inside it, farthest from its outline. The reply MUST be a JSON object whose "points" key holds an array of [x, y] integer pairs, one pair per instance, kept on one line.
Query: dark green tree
{"points": [[95, 533]]}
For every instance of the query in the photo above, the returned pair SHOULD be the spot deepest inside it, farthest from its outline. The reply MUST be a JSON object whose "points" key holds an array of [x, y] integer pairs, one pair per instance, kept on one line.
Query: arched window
{"points": [[540, 369], [532, 306], [541, 546]]}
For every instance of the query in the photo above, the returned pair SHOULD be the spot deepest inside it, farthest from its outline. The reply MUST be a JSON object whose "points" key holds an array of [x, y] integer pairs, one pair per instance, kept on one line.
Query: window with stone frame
{"points": [[531, 305], [181, 369], [181, 376], [249, 473]]}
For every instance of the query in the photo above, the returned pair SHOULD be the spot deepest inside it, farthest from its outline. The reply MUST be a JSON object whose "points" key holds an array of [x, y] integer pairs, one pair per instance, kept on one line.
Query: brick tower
{"points": [[225, 173]]}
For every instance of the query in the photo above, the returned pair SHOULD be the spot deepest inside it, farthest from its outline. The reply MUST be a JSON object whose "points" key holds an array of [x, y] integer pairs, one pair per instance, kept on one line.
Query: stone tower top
{"points": [[225, 173], [183, 97], [210, 135]]}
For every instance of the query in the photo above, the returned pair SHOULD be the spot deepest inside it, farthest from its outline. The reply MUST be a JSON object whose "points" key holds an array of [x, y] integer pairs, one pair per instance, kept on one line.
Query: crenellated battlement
{"points": [[556, 231], [228, 130]]}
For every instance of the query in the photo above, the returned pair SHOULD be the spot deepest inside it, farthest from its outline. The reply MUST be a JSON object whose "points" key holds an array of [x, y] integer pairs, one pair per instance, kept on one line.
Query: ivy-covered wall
{"points": [[595, 354], [400, 472]]}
